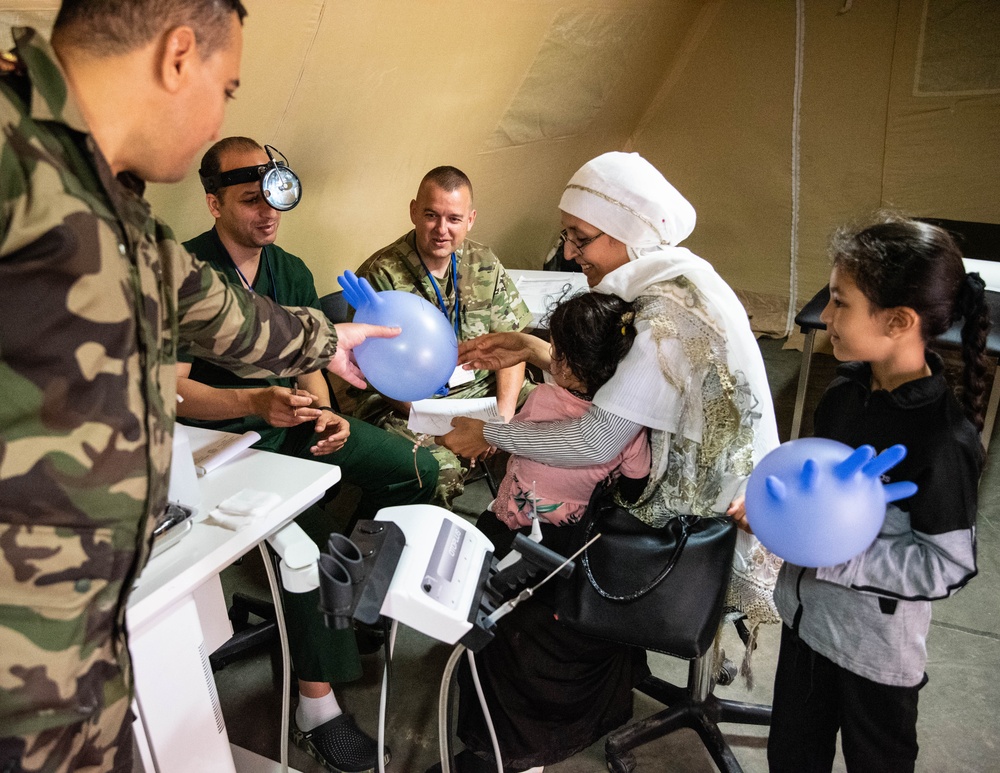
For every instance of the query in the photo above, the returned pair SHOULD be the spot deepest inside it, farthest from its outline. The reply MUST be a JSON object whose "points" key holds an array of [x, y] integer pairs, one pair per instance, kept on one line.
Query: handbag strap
{"points": [[671, 562]]}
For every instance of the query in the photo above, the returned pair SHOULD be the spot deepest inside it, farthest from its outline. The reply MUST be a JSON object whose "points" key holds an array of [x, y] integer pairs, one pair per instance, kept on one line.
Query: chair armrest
{"points": [[808, 318]]}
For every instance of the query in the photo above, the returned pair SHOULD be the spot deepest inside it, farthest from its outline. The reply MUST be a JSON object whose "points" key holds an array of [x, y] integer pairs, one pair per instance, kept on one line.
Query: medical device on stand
{"points": [[429, 569], [183, 496]]}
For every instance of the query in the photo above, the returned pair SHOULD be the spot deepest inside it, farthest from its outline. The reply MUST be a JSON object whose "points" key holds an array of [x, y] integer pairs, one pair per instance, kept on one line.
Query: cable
{"points": [[286, 675], [444, 728], [383, 700], [793, 262], [486, 711], [444, 731]]}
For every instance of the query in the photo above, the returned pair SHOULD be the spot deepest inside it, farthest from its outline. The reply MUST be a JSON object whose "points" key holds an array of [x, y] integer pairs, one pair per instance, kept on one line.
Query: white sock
{"points": [[313, 712]]}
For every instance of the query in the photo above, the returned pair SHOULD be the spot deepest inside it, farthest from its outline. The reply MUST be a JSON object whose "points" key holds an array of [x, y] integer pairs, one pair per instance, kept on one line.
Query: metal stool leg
{"points": [[991, 408], [800, 394]]}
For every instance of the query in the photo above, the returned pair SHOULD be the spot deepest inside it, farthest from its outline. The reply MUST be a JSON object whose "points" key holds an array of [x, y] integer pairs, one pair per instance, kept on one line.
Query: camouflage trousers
{"points": [[100, 743], [451, 475], [451, 478]]}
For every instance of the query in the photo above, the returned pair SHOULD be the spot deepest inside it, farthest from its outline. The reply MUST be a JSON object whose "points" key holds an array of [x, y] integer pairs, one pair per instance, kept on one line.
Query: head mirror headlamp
{"points": [[280, 185]]}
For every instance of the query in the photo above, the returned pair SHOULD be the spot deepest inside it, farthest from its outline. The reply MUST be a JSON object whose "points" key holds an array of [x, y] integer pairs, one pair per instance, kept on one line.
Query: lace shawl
{"points": [[719, 406]]}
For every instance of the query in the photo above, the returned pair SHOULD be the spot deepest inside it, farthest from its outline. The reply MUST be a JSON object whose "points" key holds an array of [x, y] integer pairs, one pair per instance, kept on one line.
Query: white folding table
{"points": [[176, 614]]}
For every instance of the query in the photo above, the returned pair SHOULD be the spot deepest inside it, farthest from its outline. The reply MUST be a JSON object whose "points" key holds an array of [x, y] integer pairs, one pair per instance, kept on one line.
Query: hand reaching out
{"points": [[349, 335], [495, 351], [737, 509]]}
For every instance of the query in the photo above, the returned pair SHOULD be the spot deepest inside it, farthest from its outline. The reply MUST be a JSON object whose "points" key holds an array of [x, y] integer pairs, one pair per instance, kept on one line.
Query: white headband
{"points": [[625, 196]]}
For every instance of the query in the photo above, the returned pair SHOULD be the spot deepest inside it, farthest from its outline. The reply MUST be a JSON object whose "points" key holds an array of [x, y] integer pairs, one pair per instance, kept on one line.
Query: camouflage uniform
{"points": [[490, 304], [96, 294]]}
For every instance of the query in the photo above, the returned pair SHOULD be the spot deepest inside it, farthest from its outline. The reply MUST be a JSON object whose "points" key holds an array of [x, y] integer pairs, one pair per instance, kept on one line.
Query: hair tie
{"points": [[971, 295], [627, 318]]}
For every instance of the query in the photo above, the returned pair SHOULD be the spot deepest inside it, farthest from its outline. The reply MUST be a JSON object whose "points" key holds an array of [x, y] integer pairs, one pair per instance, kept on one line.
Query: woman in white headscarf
{"points": [[694, 377]]}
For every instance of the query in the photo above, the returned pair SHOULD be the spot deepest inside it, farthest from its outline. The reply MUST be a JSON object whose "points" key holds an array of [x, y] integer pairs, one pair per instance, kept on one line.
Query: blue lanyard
{"points": [[267, 268], [437, 291]]}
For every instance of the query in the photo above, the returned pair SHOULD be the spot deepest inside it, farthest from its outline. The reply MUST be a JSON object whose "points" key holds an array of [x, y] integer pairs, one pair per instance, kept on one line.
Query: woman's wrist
{"points": [[491, 431]]}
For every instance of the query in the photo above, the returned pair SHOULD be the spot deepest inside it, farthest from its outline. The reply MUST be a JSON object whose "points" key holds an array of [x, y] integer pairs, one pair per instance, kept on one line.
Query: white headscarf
{"points": [[626, 197]]}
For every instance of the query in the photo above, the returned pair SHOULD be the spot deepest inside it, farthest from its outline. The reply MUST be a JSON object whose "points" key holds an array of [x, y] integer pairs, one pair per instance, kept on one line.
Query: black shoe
{"points": [[340, 746]]}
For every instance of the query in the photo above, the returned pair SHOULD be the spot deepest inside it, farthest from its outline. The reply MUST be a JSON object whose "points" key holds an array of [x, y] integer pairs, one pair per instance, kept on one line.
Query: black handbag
{"points": [[661, 589]]}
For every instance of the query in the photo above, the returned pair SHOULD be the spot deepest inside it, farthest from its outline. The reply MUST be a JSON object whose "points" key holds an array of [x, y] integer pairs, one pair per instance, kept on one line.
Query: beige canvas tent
{"points": [[778, 119]]}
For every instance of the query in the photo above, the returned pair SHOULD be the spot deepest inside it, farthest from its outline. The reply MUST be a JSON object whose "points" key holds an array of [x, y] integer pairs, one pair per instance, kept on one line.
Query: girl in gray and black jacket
{"points": [[853, 643]]}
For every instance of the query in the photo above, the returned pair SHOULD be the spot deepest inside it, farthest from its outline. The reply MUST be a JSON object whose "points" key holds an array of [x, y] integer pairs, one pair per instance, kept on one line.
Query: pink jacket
{"points": [[559, 495]]}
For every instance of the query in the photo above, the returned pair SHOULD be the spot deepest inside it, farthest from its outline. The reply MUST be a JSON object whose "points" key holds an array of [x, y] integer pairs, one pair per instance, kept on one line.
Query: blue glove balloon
{"points": [[817, 502], [416, 363]]}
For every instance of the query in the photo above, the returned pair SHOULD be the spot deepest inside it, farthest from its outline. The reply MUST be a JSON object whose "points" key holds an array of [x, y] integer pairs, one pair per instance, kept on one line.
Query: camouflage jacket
{"points": [[95, 293], [490, 303], [284, 278]]}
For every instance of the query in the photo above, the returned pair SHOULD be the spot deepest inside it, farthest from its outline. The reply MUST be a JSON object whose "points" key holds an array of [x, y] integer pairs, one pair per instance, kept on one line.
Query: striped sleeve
{"points": [[594, 438]]}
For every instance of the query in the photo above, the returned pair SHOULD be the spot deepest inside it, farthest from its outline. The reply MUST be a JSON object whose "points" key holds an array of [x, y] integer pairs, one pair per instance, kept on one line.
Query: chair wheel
{"points": [[727, 673], [622, 763]]}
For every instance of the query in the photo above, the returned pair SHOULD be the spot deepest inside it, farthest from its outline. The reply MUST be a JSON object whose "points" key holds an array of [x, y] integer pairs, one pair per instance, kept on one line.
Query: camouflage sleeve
{"points": [[383, 274], [382, 278], [510, 313], [248, 334]]}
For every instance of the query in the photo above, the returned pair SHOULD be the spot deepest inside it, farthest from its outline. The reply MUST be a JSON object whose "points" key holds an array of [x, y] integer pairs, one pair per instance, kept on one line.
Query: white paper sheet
{"points": [[433, 417], [218, 453], [542, 290], [989, 270]]}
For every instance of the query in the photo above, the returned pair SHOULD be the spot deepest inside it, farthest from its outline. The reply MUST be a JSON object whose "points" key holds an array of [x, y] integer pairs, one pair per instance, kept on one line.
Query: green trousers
{"points": [[388, 473]]}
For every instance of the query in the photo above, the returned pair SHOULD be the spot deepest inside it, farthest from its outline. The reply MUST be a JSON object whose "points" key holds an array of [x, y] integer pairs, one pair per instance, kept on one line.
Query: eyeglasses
{"points": [[580, 245]]}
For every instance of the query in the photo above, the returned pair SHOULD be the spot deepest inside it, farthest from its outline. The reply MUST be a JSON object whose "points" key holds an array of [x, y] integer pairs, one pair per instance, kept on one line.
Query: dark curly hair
{"points": [[592, 333], [901, 262]]}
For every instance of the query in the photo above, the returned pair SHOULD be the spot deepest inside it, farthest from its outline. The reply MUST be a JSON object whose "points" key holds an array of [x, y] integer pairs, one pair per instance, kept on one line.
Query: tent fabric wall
{"points": [[375, 94], [943, 149], [364, 98], [723, 135]]}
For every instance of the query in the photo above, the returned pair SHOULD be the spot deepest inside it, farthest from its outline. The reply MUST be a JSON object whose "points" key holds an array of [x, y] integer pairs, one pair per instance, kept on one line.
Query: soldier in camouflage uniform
{"points": [[467, 282], [96, 294]]}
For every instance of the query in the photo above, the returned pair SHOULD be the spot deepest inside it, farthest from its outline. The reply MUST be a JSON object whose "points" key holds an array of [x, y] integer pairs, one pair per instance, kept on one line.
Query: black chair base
{"points": [[694, 707], [246, 636]]}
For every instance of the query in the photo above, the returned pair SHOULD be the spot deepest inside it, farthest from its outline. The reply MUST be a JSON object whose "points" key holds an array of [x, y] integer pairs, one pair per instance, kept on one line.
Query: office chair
{"points": [[337, 310], [249, 637], [693, 706], [482, 471]]}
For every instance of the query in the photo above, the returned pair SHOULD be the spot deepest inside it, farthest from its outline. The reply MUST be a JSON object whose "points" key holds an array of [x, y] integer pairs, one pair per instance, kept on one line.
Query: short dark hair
{"points": [[592, 333], [113, 27], [211, 162], [448, 178]]}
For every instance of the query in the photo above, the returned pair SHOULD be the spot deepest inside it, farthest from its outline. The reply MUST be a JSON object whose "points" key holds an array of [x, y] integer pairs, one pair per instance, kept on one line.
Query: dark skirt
{"points": [[551, 691]]}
